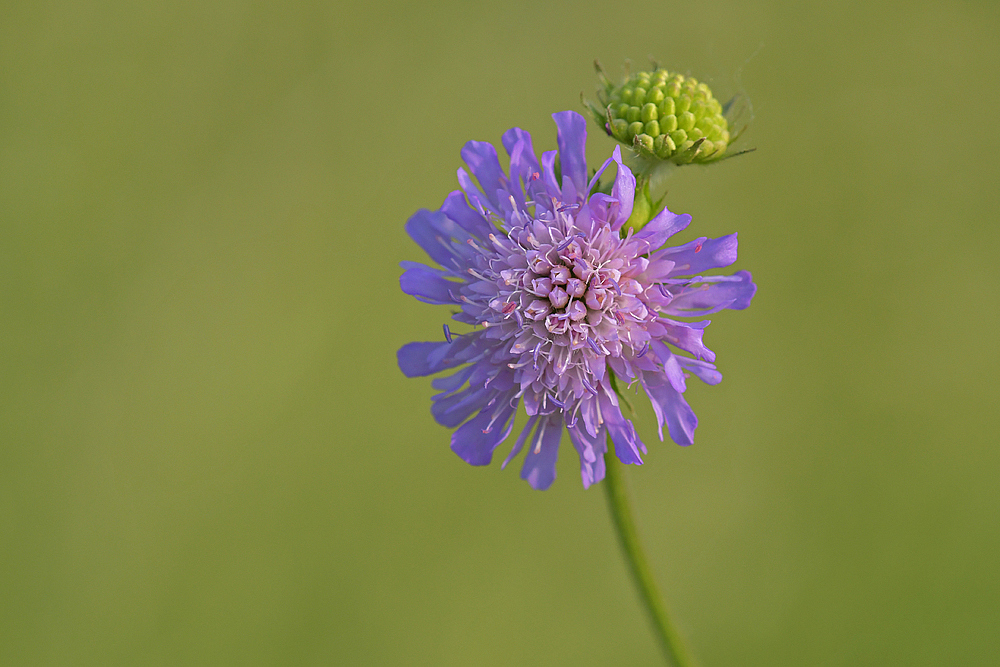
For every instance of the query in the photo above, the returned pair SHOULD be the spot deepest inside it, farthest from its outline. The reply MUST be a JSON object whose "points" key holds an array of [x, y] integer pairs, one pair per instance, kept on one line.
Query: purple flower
{"points": [[563, 307]]}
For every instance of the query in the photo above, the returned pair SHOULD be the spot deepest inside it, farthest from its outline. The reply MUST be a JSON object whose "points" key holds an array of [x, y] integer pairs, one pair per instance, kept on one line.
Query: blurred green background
{"points": [[209, 457]]}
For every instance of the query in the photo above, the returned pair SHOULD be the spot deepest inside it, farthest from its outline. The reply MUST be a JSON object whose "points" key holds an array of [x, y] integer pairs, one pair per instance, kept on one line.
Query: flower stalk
{"points": [[616, 491]]}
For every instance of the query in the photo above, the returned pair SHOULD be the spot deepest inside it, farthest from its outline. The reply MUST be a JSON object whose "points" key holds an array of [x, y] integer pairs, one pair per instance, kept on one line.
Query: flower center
{"points": [[565, 301]]}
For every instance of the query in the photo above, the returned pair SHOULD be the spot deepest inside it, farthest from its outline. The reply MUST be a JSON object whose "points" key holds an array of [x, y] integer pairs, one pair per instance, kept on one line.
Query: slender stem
{"points": [[618, 502]]}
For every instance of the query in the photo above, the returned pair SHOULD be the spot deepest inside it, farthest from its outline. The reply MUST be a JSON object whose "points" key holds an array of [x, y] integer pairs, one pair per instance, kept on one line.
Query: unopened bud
{"points": [[649, 105]]}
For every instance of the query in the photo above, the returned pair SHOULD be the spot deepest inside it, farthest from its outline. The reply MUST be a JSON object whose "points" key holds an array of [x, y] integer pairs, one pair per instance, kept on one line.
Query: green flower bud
{"points": [[644, 143], [666, 147], [658, 144], [662, 116], [667, 106]]}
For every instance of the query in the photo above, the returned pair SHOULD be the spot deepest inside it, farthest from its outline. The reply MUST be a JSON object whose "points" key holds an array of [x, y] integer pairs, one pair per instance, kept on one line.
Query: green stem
{"points": [[618, 502]]}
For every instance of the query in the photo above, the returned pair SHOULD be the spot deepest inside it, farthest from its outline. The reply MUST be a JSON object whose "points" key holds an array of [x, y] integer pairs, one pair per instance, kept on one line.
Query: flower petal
{"points": [[510, 139], [718, 292], [623, 190], [670, 408], [477, 199], [552, 189], [687, 336], [604, 208], [523, 164], [419, 359], [539, 467], [452, 409], [703, 370], [702, 254], [433, 231], [622, 432], [476, 439], [457, 209], [427, 285], [516, 449], [600, 172], [672, 371], [453, 382], [663, 225], [591, 450], [572, 141], [482, 159]]}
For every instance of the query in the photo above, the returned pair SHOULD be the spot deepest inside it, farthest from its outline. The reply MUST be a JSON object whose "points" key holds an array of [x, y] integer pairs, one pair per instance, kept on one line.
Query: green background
{"points": [[209, 457]]}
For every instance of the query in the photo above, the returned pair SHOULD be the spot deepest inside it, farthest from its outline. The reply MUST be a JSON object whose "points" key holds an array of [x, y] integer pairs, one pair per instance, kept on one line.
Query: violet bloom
{"points": [[561, 304]]}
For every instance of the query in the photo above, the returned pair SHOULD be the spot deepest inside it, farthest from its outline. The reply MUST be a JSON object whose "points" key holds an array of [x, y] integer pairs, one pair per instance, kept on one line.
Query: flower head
{"points": [[562, 302]]}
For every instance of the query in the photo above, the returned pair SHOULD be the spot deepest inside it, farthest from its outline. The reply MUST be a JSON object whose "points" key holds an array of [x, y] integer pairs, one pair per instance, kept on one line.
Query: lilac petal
{"points": [[514, 136], [482, 160], [734, 292], [499, 380], [604, 208], [477, 198], [476, 439], [450, 383], [516, 449], [589, 415], [444, 273], [674, 374], [452, 409], [658, 269], [549, 180], [664, 225], [591, 450], [570, 192], [702, 254], [703, 370], [623, 190], [572, 141], [722, 305], [457, 209], [687, 336], [584, 220], [427, 285], [419, 359], [521, 172], [621, 368], [539, 467], [597, 175], [433, 231], [622, 432], [414, 358], [670, 408]]}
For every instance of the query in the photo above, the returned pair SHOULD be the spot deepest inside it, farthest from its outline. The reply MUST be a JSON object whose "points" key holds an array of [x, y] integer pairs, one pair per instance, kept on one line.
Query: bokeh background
{"points": [[209, 457]]}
